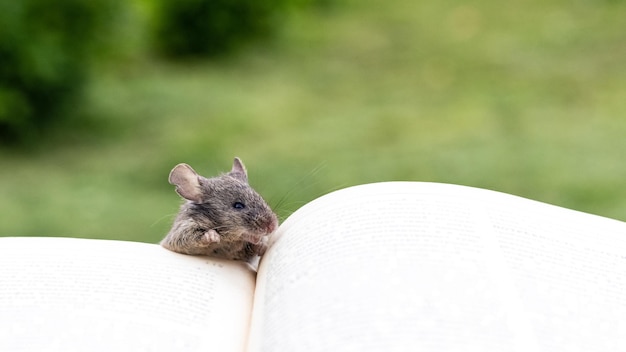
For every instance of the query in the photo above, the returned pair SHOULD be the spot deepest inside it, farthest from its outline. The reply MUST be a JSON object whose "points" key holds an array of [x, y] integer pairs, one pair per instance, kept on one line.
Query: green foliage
{"points": [[526, 99], [46, 48], [212, 27]]}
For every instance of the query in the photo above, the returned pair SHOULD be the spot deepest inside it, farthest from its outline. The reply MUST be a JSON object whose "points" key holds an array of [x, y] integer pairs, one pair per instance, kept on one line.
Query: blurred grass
{"points": [[526, 98]]}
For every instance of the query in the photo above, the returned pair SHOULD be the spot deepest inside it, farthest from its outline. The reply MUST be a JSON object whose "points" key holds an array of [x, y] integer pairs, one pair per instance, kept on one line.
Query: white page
{"points": [[409, 266], [570, 271], [64, 294]]}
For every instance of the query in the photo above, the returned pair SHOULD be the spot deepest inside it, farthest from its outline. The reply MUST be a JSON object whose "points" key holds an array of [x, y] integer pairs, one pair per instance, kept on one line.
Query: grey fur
{"points": [[209, 221]]}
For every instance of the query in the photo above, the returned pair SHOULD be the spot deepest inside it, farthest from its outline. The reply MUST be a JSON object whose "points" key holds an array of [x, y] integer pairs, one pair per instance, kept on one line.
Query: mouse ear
{"points": [[187, 183], [239, 171]]}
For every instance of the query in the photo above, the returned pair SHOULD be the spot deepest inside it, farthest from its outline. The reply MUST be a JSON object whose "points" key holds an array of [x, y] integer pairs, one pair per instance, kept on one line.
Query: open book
{"points": [[396, 266]]}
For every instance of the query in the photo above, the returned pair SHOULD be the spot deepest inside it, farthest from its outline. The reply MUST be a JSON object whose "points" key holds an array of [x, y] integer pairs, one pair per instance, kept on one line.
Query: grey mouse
{"points": [[221, 217]]}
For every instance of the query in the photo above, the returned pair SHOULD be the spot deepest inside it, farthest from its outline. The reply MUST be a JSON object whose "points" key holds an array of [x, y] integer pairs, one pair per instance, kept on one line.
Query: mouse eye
{"points": [[239, 205]]}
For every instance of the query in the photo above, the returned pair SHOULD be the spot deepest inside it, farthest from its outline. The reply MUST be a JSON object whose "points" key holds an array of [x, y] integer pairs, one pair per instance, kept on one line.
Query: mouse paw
{"points": [[211, 237], [260, 248]]}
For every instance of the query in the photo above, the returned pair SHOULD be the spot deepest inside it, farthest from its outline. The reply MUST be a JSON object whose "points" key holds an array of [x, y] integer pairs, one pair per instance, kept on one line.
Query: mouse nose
{"points": [[272, 224]]}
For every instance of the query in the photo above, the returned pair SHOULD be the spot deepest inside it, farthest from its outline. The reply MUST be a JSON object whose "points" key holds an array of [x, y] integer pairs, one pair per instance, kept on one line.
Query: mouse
{"points": [[221, 216]]}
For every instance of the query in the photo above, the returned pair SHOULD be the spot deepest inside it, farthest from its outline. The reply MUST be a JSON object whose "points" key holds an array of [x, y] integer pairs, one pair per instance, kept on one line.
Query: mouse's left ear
{"points": [[239, 171], [187, 182]]}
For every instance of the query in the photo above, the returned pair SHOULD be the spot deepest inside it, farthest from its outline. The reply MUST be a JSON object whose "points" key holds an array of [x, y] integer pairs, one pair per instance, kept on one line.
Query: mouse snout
{"points": [[272, 225], [269, 223]]}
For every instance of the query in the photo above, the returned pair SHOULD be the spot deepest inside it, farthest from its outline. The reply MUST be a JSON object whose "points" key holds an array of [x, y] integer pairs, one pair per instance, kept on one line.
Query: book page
{"points": [[66, 294], [569, 269], [432, 267]]}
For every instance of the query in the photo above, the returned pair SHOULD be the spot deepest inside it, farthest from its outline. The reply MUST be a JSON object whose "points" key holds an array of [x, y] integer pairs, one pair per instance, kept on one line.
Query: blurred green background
{"points": [[527, 98]]}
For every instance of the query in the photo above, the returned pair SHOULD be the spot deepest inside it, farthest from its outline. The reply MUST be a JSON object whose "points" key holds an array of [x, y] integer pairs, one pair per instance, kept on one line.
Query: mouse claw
{"points": [[211, 236]]}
